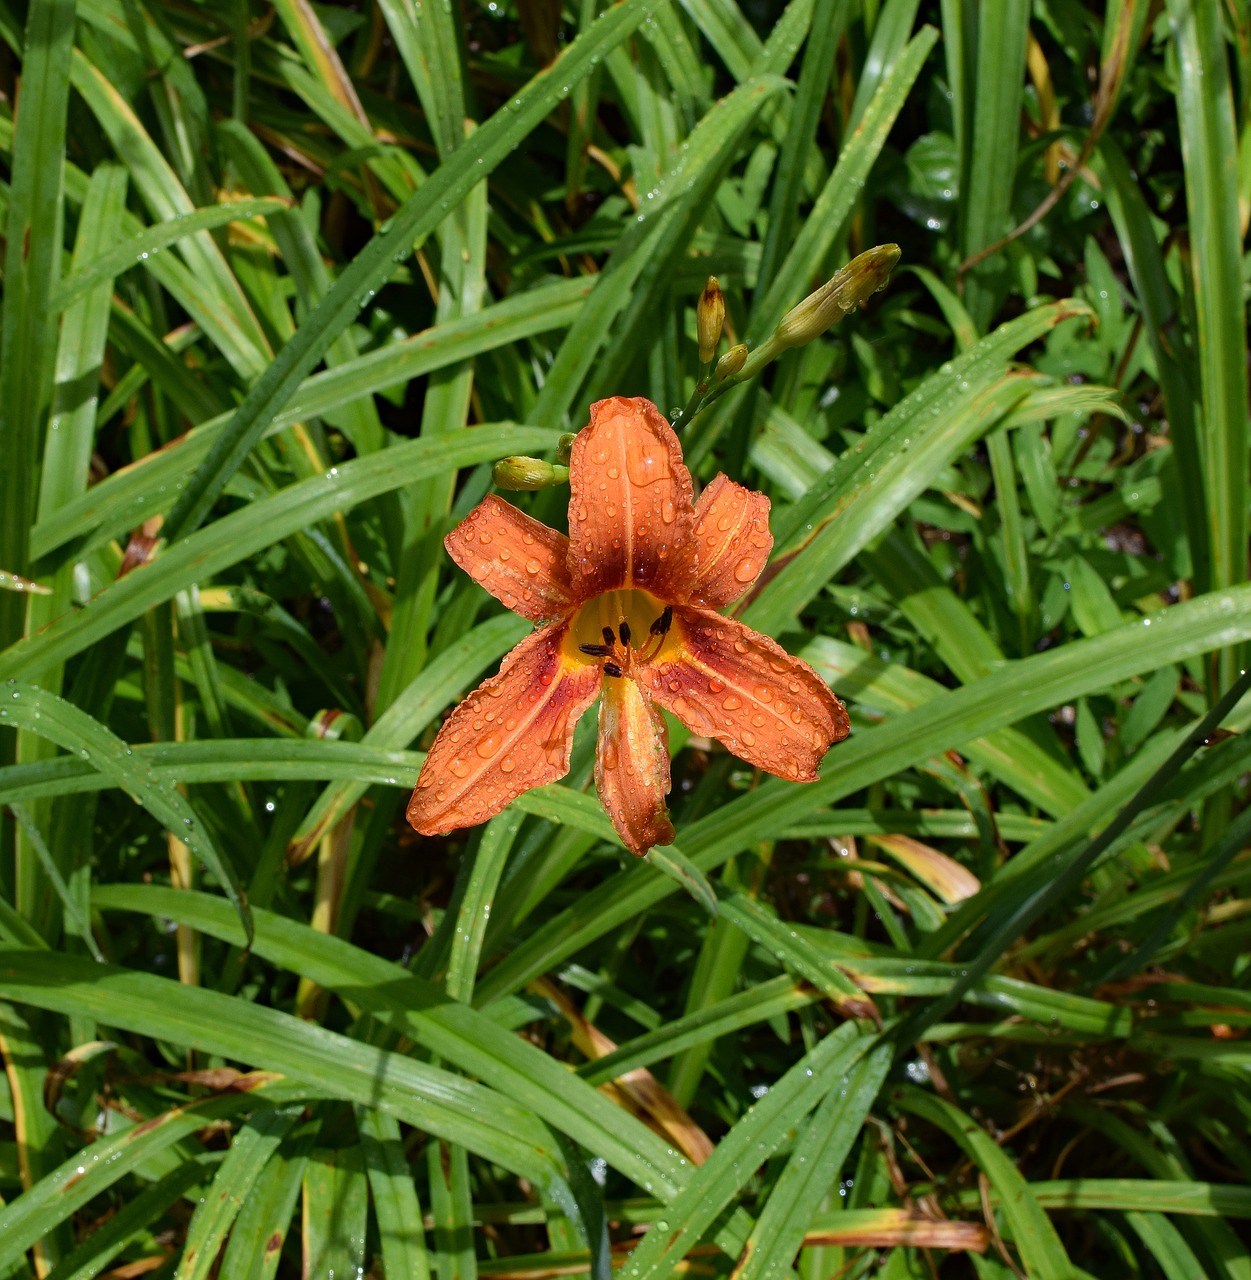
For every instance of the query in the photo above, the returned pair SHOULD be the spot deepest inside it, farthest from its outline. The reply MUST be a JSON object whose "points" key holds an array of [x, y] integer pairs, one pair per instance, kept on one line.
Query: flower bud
{"points": [[846, 289], [731, 362], [564, 446], [528, 473], [709, 317]]}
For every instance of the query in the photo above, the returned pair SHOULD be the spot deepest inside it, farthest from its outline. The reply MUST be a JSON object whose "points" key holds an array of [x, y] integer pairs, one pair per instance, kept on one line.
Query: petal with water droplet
{"points": [[735, 685], [521, 562], [472, 773], [732, 532], [626, 473], [632, 765]]}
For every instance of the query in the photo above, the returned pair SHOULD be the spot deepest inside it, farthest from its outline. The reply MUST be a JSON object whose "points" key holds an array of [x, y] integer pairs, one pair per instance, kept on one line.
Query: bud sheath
{"points": [[843, 292], [528, 473], [731, 362], [709, 317]]}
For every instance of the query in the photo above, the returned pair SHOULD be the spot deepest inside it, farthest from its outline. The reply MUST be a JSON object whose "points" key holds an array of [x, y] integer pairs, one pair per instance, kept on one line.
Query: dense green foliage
{"points": [[973, 1003]]}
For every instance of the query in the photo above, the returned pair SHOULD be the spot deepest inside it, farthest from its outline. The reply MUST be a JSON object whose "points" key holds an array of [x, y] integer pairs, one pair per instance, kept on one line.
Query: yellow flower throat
{"points": [[619, 629]]}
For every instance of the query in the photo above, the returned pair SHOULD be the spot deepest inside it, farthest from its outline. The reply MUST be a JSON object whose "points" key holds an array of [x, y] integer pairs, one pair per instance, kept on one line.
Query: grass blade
{"points": [[32, 265], [371, 268]]}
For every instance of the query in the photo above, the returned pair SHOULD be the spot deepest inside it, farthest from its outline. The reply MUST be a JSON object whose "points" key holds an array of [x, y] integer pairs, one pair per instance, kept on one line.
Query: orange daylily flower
{"points": [[628, 601]]}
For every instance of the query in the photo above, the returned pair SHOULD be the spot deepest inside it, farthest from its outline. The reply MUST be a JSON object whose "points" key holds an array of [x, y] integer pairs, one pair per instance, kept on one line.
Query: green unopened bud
{"points": [[564, 446], [731, 362], [709, 317], [528, 473], [843, 292]]}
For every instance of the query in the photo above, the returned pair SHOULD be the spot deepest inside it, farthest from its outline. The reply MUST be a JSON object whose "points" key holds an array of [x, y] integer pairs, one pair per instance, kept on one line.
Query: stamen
{"points": [[611, 668], [656, 636], [595, 650], [624, 630], [610, 636]]}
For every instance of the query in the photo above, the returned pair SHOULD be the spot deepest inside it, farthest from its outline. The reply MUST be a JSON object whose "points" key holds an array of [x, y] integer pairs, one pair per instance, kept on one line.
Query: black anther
{"points": [[611, 669], [595, 650], [661, 625], [610, 636], [624, 630]]}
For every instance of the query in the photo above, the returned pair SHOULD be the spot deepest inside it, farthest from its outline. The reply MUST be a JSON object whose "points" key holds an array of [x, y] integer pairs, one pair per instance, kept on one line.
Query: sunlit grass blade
{"points": [[138, 248], [247, 530], [1001, 31], [133, 1221], [371, 268], [32, 265], [672, 204], [242, 340], [43, 713], [1007, 754], [329, 1064], [396, 1209], [828, 20], [455, 1032], [813, 1167], [250, 1148], [1205, 110], [874, 483], [829, 216], [1031, 1231], [760, 1131], [999, 699], [74, 1182], [150, 485]]}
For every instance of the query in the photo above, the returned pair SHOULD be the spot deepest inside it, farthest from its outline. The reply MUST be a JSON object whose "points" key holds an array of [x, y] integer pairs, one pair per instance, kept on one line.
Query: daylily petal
{"points": [[521, 562], [732, 541], [725, 681], [630, 515], [632, 765], [514, 732]]}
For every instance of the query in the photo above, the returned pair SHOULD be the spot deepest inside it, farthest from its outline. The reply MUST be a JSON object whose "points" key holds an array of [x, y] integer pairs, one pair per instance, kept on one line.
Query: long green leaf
{"points": [[1209, 148], [32, 264], [1017, 690], [246, 531], [37, 711], [329, 1064], [371, 268]]}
